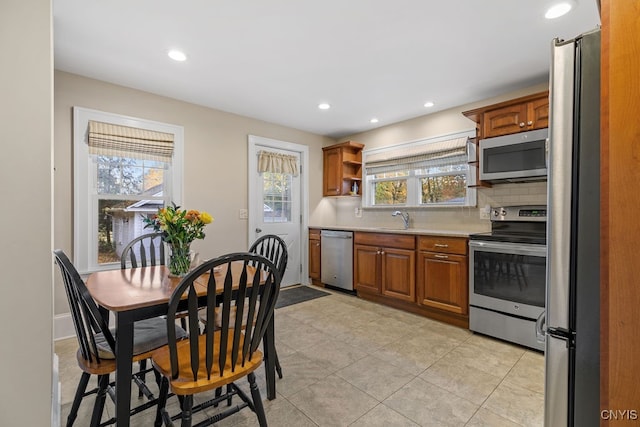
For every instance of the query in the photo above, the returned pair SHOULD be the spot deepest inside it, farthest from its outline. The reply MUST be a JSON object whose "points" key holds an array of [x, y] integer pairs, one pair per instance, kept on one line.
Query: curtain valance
{"points": [[277, 163], [416, 156]]}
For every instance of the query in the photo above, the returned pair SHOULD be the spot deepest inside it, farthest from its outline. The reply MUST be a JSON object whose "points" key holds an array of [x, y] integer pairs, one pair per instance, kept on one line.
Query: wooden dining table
{"points": [[141, 293]]}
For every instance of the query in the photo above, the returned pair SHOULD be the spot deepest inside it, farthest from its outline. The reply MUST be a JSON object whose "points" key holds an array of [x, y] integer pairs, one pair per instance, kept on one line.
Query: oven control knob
{"points": [[495, 212], [516, 306], [503, 212]]}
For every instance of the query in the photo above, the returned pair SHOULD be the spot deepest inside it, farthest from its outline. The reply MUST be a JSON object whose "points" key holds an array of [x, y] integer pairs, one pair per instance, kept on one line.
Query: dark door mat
{"points": [[298, 294]]}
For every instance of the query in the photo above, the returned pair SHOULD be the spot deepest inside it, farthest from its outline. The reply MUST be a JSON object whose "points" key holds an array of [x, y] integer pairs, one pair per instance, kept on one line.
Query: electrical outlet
{"points": [[358, 212], [243, 214]]}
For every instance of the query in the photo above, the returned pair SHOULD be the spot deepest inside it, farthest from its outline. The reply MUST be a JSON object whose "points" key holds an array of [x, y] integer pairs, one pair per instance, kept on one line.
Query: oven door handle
{"points": [[510, 248]]}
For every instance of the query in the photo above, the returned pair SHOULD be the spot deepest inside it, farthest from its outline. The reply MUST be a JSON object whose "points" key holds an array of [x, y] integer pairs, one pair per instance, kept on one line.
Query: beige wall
{"points": [[25, 222], [432, 125], [215, 154]]}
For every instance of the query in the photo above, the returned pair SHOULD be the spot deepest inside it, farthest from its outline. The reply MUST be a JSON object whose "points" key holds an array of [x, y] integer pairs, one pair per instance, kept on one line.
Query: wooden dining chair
{"points": [[146, 250], [220, 356], [274, 249], [143, 251], [96, 345]]}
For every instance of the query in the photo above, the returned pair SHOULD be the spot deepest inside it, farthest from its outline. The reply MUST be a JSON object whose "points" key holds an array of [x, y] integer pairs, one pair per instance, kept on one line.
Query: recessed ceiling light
{"points": [[428, 104], [177, 55], [558, 9], [373, 120], [324, 106]]}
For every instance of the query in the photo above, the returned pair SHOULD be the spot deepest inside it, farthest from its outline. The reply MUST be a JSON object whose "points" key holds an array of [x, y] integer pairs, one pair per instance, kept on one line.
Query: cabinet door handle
{"points": [[441, 245], [530, 122], [382, 253], [441, 256], [521, 124], [317, 244]]}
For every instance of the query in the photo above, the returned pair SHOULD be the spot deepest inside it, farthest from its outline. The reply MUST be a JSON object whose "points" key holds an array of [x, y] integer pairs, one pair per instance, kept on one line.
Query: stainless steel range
{"points": [[507, 275]]}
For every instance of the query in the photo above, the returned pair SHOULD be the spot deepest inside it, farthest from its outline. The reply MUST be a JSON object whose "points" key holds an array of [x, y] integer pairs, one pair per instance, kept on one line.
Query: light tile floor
{"points": [[349, 362]]}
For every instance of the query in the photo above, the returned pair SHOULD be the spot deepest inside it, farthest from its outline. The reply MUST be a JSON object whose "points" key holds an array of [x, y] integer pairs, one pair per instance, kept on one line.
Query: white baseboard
{"points": [[63, 326], [55, 392]]}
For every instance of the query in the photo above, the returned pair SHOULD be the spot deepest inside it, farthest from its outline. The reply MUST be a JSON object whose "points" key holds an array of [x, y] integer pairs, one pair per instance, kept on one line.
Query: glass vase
{"points": [[179, 260]]}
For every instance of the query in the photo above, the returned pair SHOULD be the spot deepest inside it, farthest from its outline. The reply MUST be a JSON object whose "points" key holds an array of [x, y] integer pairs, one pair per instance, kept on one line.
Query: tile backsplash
{"points": [[534, 193], [462, 218]]}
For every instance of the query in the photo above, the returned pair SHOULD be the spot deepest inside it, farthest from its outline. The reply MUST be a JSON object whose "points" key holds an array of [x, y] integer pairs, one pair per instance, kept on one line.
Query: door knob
{"points": [[258, 230]]}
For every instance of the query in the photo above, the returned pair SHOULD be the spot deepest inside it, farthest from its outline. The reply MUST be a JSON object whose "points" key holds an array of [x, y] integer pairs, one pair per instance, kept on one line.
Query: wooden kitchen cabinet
{"points": [[442, 282], [366, 268], [384, 264], [342, 167], [516, 115], [314, 256], [520, 117]]}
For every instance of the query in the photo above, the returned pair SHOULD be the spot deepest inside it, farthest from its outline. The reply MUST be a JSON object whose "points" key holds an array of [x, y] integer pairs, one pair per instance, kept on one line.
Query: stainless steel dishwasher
{"points": [[336, 255]]}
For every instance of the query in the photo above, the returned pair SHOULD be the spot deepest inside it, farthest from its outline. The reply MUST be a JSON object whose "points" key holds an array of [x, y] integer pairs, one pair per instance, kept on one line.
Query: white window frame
{"points": [[85, 228], [414, 193]]}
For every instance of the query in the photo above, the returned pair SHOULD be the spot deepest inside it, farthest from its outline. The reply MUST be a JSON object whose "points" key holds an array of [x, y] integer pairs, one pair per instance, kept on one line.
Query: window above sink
{"points": [[432, 172]]}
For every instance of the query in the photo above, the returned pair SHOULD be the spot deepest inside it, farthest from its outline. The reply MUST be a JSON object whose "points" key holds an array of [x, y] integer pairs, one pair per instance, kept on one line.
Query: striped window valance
{"points": [[452, 151], [277, 163], [107, 139]]}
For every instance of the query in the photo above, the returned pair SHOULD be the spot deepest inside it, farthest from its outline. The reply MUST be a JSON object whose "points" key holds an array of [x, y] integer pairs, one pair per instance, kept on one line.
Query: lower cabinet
{"points": [[384, 264], [442, 282], [421, 274], [442, 274], [366, 268], [398, 278], [314, 256]]}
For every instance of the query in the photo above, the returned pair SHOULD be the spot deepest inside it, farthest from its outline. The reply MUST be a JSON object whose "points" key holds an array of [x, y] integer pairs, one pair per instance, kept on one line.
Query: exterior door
{"points": [[275, 206]]}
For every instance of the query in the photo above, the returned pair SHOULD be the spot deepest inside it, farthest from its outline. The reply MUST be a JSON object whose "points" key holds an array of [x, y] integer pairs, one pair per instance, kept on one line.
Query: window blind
{"points": [[453, 151], [277, 163], [107, 139]]}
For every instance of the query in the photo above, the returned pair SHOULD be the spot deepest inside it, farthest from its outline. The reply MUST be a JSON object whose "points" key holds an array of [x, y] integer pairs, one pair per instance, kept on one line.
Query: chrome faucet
{"points": [[405, 218]]}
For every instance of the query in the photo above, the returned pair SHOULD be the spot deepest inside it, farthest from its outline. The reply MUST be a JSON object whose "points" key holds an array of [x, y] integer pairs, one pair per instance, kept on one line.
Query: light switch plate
{"points": [[243, 214]]}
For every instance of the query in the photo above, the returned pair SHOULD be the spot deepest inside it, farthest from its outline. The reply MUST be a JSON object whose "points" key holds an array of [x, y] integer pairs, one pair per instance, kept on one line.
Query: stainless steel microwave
{"points": [[516, 157]]}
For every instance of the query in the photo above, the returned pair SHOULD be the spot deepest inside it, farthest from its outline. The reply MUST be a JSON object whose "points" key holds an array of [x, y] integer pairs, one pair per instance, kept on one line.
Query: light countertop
{"points": [[400, 230]]}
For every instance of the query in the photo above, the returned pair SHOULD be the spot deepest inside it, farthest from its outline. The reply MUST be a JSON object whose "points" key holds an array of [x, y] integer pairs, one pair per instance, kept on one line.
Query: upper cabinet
{"points": [[513, 116], [516, 115], [342, 169]]}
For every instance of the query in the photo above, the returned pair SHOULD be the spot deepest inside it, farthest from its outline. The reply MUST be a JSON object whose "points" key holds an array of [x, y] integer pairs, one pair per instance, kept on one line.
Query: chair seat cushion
{"points": [[148, 335]]}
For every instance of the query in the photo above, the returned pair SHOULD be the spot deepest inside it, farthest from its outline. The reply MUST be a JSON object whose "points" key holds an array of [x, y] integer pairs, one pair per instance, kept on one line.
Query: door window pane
{"points": [[276, 197]]}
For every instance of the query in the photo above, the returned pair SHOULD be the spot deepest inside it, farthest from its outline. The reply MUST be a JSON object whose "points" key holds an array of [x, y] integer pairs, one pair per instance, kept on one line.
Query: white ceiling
{"points": [[276, 60]]}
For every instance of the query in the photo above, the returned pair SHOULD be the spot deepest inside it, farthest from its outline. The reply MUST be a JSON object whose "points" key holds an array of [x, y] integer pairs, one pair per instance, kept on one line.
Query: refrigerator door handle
{"points": [[559, 184], [541, 327]]}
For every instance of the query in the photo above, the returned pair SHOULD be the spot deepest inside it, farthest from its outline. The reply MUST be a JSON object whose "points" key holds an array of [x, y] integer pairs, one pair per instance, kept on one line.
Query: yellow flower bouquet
{"points": [[179, 227]]}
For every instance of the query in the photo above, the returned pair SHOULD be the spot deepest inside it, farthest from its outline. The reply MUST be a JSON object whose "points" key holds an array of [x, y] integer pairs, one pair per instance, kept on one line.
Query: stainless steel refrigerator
{"points": [[572, 342]]}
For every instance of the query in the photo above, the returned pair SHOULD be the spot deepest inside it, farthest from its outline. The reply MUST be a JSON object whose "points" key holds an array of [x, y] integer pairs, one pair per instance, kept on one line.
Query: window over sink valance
{"points": [[107, 139], [451, 151], [277, 163]]}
